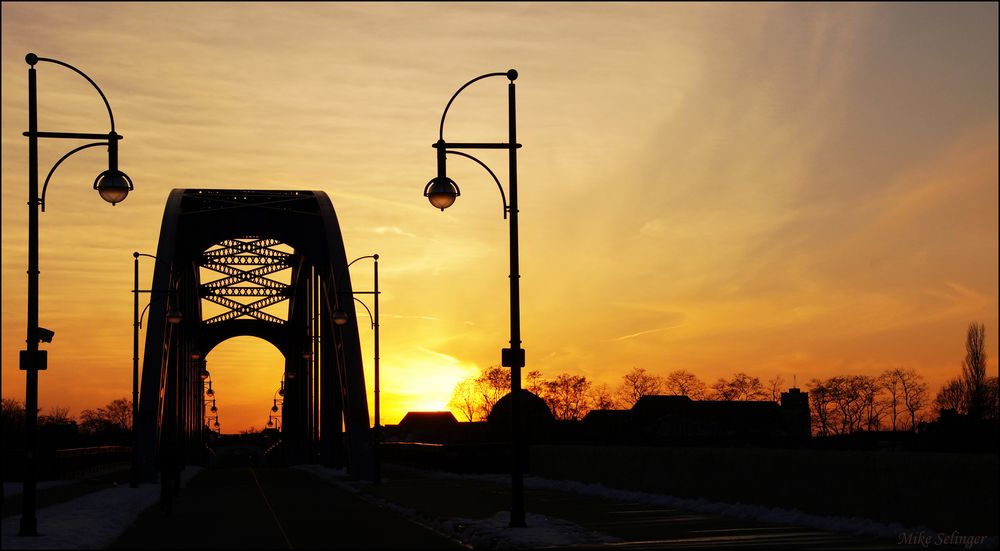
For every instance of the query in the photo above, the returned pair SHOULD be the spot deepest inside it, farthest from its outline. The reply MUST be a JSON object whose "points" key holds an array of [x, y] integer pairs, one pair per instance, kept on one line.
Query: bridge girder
{"points": [[247, 236]]}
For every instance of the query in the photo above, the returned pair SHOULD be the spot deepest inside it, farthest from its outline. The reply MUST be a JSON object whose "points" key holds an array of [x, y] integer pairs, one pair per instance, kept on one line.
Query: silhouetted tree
{"points": [[992, 409], [636, 384], [846, 392], [567, 396], [684, 383], [533, 382], [465, 400], [776, 385], [952, 396], [905, 390], [475, 397], [741, 387], [601, 397], [819, 401], [114, 418], [492, 385], [974, 370], [890, 381], [56, 415], [11, 422], [915, 396], [870, 392]]}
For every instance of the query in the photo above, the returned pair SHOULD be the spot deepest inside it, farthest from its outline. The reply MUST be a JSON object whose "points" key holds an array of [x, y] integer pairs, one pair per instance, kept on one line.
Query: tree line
{"points": [[896, 399], [110, 424]]}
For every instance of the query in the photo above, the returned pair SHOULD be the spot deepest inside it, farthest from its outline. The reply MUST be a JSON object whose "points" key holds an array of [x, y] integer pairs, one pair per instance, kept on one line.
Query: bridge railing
{"points": [[83, 462]]}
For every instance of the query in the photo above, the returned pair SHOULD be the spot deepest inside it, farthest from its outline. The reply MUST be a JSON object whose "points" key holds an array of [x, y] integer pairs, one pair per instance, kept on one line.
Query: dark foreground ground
{"points": [[264, 508]]}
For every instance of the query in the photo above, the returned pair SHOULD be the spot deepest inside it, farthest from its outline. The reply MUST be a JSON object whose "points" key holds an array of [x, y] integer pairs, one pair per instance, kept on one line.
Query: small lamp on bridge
{"points": [[340, 317], [441, 191], [275, 406], [210, 391], [205, 375], [174, 317]]}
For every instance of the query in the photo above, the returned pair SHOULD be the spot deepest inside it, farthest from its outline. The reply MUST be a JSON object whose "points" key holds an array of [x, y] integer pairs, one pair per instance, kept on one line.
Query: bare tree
{"points": [[11, 420], [974, 369], [636, 384], [567, 396], [475, 397], [116, 416], [952, 396], [56, 415], [465, 400], [870, 392], [533, 382], [890, 381], [820, 401], [684, 383], [914, 394], [776, 385], [741, 387], [492, 385], [992, 410], [601, 397]]}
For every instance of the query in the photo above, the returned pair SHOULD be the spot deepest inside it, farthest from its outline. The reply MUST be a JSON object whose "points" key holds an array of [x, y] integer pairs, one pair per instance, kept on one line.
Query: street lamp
{"points": [[442, 191], [112, 185], [340, 318], [173, 317]]}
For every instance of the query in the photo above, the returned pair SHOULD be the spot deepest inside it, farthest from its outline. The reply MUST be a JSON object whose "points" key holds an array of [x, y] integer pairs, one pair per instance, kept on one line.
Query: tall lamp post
{"points": [[441, 191], [340, 318], [173, 317], [113, 186]]}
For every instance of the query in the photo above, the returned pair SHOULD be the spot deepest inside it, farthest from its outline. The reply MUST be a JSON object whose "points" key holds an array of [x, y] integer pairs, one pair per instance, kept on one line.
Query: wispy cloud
{"points": [[398, 316], [640, 333], [382, 230]]}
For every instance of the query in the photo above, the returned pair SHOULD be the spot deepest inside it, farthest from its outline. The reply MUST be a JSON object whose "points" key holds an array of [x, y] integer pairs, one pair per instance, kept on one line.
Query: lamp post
{"points": [[113, 186], [173, 317], [340, 318], [442, 191]]}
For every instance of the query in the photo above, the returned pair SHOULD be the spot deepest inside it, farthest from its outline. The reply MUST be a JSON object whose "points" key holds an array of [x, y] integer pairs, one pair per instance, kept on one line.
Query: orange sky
{"points": [[803, 190]]}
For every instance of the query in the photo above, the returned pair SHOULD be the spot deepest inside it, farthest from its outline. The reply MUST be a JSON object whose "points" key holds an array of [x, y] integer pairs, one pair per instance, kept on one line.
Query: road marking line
{"points": [[269, 508]]}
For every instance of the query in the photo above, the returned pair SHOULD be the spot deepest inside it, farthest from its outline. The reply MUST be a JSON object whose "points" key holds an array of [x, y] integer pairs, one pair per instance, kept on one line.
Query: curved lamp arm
{"points": [[32, 59], [511, 74], [143, 314], [503, 196], [370, 316], [45, 186], [372, 256]]}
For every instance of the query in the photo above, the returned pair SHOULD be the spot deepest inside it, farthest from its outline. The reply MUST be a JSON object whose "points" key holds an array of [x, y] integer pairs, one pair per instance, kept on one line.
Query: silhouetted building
{"points": [[681, 420], [426, 426], [536, 418]]}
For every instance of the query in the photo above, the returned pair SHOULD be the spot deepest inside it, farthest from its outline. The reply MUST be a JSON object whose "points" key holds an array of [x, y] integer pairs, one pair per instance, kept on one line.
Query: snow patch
{"points": [[93, 521]]}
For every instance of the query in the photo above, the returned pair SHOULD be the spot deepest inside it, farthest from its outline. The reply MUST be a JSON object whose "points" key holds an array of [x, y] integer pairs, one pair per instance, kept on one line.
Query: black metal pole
{"points": [[375, 443], [29, 524], [134, 482], [517, 474]]}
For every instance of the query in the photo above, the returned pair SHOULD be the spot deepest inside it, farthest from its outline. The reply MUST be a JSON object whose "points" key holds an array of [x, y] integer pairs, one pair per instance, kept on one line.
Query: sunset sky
{"points": [[800, 190]]}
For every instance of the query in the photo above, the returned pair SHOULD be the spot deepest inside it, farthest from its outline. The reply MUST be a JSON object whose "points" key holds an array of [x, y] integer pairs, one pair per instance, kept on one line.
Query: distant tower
{"points": [[795, 414]]}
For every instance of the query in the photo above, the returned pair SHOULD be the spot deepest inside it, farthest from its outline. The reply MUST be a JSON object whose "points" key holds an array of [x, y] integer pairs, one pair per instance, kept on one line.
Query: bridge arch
{"points": [[247, 235]]}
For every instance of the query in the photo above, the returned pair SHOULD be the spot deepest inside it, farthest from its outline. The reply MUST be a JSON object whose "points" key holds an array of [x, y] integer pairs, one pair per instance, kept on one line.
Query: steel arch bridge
{"points": [[281, 271]]}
